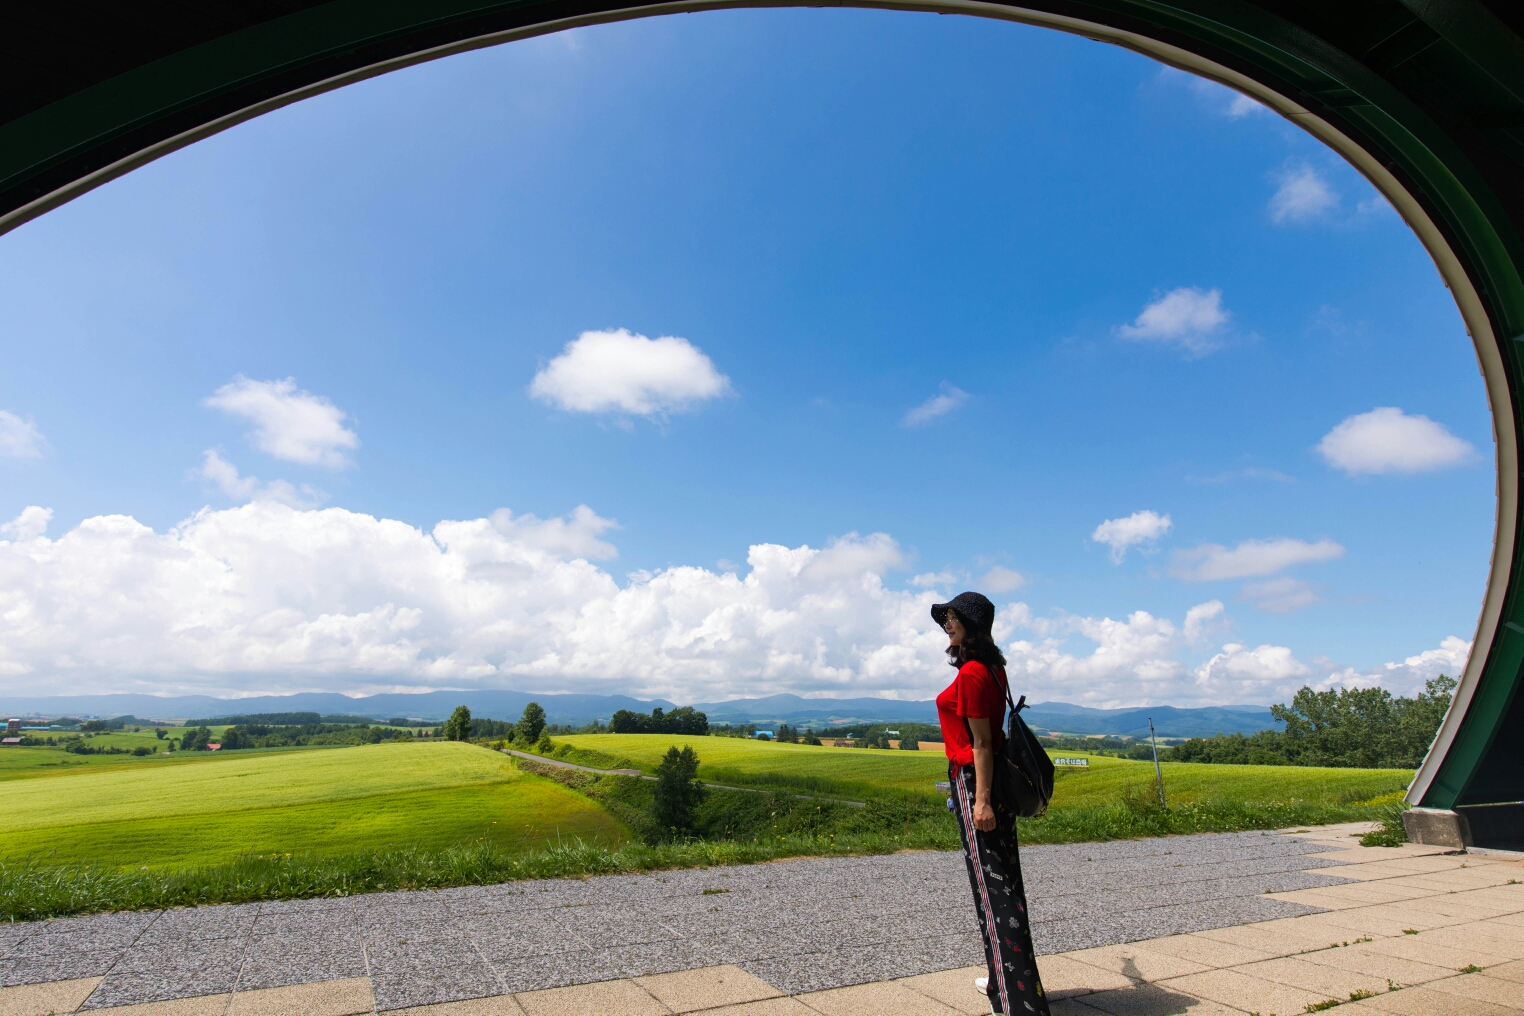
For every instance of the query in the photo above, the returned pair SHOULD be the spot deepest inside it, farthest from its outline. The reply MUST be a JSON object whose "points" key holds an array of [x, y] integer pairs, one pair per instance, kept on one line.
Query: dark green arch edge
{"points": [[1368, 121]]}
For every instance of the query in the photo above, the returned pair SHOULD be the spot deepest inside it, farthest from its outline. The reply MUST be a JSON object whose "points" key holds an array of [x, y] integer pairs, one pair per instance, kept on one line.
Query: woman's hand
{"points": [[984, 816]]}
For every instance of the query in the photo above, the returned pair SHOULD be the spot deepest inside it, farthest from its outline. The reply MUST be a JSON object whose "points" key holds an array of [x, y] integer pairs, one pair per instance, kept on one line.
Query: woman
{"points": [[972, 712]]}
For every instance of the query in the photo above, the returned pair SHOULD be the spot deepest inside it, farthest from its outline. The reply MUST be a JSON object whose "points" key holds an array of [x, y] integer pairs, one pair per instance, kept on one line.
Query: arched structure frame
{"points": [[1452, 189]]}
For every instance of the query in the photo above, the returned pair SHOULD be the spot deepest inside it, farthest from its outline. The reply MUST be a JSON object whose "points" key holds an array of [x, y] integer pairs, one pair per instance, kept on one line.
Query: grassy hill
{"points": [[852, 771], [196, 807]]}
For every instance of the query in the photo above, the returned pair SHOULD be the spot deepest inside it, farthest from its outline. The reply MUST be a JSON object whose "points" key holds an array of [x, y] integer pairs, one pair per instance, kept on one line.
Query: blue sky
{"points": [[844, 215]]}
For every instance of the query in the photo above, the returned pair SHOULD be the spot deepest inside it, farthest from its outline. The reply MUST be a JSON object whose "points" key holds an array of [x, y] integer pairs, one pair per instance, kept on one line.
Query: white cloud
{"points": [[289, 423], [1301, 195], [616, 371], [1241, 673], [1387, 440], [932, 580], [29, 525], [853, 556], [1201, 619], [1139, 527], [1218, 98], [248, 488], [1279, 596], [1407, 677], [1190, 318], [1002, 580], [938, 405], [19, 439], [577, 536], [265, 598], [1133, 661], [1212, 562]]}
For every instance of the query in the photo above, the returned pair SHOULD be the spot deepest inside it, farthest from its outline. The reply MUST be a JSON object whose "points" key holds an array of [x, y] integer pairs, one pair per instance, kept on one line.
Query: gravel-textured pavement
{"points": [[801, 925]]}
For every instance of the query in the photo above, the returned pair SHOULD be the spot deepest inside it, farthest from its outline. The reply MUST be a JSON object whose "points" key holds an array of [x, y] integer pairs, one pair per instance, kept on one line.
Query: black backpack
{"points": [[1023, 771]]}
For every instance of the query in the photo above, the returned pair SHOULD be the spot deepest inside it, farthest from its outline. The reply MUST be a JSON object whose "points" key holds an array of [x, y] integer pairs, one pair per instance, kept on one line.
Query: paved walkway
{"points": [[1263, 923]]}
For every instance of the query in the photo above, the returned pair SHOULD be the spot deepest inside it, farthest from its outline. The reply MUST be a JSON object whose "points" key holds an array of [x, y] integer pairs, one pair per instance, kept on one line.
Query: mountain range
{"points": [[796, 711]]}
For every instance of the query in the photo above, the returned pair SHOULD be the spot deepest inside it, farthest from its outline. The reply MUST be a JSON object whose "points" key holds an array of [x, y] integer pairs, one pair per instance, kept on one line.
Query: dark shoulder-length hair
{"points": [[978, 646]]}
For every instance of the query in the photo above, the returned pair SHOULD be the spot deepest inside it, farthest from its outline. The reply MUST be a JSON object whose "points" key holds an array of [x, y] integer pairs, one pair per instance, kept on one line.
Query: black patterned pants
{"points": [[994, 873]]}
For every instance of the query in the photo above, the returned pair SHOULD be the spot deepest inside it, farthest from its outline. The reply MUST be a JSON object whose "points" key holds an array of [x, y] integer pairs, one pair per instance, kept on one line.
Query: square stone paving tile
{"points": [[1428, 1002], [609, 998], [811, 971], [880, 999], [784, 1006], [606, 929], [493, 1005], [56, 967], [501, 943], [1137, 962], [308, 924], [199, 1005], [201, 923], [273, 961], [429, 986], [650, 958], [1149, 1000], [45, 999], [183, 956], [706, 988], [1383, 965], [955, 988], [1276, 941], [1330, 982], [137, 986], [343, 905], [1497, 939], [1209, 952], [1414, 947], [1481, 988], [325, 998], [1063, 976], [13, 933], [555, 970], [1235, 989], [1508, 971]]}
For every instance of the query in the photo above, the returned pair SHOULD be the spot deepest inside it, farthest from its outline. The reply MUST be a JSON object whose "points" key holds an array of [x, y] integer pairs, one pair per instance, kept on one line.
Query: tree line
{"points": [[1366, 728]]}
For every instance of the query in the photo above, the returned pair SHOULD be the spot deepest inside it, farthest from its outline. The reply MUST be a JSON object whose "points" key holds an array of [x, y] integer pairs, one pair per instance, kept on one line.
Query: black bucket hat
{"points": [[975, 609]]}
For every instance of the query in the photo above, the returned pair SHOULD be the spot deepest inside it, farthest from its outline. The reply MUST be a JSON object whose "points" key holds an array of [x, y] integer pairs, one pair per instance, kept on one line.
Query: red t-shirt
{"points": [[974, 693]]}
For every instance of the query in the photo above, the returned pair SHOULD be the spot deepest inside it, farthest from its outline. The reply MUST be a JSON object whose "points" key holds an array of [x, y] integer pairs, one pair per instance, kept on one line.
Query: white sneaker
{"points": [[982, 983]]}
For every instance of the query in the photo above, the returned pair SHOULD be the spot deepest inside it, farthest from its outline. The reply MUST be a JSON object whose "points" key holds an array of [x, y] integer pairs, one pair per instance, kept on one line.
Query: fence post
{"points": [[1158, 773]]}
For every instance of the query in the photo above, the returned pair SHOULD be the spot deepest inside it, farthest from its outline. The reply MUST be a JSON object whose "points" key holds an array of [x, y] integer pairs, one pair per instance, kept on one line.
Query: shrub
{"points": [[675, 805], [458, 726], [531, 725]]}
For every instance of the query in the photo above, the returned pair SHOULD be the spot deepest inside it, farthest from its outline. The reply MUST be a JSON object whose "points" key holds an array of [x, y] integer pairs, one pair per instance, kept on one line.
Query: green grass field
{"points": [[203, 808], [849, 771]]}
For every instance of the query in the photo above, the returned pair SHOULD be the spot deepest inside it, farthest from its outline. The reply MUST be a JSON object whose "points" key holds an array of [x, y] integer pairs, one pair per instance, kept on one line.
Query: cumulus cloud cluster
{"points": [[1387, 440], [19, 438], [1301, 195], [289, 423], [621, 372], [271, 598], [1190, 318], [1142, 527]]}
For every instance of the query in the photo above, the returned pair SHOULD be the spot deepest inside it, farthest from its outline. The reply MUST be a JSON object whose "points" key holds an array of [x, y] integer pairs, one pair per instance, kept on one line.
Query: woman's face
{"points": [[954, 629]]}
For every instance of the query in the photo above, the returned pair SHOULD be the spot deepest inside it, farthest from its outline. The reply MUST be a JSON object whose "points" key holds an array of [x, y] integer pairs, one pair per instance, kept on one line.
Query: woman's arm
{"points": [[984, 773]]}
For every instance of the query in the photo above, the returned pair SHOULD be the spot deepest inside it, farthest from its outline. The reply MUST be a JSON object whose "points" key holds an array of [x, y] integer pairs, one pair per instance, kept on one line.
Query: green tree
{"points": [[531, 725], [159, 733], [458, 726], [674, 807]]}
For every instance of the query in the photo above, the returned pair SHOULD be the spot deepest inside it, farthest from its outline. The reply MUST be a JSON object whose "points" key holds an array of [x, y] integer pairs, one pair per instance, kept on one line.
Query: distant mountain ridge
{"points": [[795, 710]]}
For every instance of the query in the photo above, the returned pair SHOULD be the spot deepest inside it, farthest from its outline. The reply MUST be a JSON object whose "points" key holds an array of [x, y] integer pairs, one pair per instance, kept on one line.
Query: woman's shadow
{"points": [[1142, 999]]}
